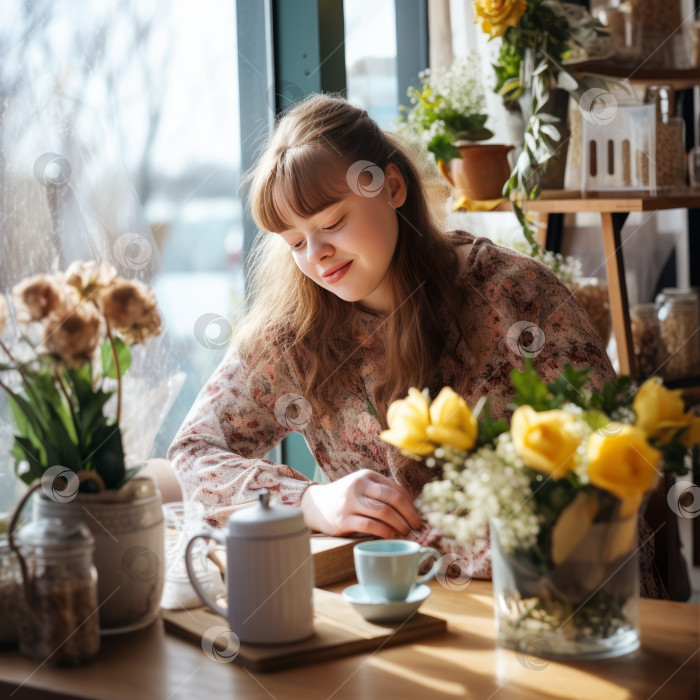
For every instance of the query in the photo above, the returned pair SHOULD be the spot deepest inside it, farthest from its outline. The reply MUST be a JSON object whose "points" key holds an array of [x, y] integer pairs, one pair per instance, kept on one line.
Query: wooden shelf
{"points": [[677, 78], [571, 202]]}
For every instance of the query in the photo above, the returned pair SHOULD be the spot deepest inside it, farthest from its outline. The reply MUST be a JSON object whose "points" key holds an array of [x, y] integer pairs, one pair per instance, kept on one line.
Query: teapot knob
{"points": [[264, 498]]}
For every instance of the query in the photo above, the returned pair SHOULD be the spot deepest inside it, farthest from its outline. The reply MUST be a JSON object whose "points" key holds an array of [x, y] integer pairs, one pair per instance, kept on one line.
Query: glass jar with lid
{"points": [[58, 620], [649, 350], [10, 580], [679, 317], [593, 294]]}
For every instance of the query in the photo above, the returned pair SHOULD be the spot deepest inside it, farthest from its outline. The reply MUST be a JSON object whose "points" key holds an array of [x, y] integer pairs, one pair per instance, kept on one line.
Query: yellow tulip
{"points": [[408, 420], [660, 413], [622, 461], [451, 421], [546, 441], [496, 16]]}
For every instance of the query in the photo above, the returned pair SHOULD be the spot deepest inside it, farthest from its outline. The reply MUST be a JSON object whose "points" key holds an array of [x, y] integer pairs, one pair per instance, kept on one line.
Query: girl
{"points": [[357, 295]]}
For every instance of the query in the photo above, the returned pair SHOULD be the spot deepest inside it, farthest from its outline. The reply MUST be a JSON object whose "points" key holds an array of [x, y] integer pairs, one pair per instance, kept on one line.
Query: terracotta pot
{"points": [[481, 171]]}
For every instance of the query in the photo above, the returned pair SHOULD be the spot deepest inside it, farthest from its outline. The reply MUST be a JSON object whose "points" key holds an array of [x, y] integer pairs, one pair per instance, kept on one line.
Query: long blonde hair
{"points": [[303, 168]]}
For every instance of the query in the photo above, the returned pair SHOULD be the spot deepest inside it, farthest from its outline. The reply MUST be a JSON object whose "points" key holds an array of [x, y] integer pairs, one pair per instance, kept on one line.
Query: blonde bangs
{"points": [[302, 183]]}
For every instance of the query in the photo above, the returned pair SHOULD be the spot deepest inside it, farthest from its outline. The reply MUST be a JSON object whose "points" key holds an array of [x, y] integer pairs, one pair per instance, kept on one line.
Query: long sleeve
{"points": [[217, 452]]}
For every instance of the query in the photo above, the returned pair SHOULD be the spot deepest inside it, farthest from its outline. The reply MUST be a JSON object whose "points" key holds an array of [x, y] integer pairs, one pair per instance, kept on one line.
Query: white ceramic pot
{"points": [[128, 529]]}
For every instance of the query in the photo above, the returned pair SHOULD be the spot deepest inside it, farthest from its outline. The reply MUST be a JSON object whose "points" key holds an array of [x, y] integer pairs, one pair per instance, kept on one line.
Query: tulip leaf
{"points": [[109, 367]]}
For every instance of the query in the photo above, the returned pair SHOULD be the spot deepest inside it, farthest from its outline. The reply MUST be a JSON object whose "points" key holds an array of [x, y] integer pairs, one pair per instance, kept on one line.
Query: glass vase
{"points": [[585, 607]]}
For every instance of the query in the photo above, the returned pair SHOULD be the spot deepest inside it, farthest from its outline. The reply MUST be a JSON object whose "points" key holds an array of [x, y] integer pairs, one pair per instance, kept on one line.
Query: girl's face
{"points": [[347, 248]]}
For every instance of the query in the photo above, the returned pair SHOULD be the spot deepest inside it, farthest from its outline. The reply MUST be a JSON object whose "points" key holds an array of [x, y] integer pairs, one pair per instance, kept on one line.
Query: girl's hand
{"points": [[363, 501]]}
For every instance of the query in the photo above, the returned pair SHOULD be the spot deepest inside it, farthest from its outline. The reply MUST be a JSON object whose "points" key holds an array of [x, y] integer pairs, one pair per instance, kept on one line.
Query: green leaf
{"points": [[106, 455], [109, 368], [569, 386], [489, 429], [529, 388]]}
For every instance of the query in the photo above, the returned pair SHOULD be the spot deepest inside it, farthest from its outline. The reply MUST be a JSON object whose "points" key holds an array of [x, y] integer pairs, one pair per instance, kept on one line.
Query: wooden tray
{"points": [[340, 631]]}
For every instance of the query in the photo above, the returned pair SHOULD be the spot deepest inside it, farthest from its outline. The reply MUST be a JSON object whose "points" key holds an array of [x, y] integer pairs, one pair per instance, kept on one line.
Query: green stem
{"points": [[119, 374]]}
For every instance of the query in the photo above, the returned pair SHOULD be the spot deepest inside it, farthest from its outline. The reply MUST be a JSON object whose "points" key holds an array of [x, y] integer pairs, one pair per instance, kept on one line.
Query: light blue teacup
{"points": [[388, 569]]}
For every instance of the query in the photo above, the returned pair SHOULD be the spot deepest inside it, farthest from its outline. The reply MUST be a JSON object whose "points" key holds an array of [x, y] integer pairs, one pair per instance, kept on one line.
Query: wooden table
{"points": [[465, 662], [613, 209]]}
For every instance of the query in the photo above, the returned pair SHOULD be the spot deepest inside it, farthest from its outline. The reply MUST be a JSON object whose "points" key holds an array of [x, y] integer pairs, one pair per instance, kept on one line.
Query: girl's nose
{"points": [[318, 248]]}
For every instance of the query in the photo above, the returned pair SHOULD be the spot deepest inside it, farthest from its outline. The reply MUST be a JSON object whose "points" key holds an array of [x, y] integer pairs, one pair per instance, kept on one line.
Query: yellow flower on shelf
{"points": [[621, 461], [546, 441], [660, 413], [408, 420], [497, 16], [451, 421]]}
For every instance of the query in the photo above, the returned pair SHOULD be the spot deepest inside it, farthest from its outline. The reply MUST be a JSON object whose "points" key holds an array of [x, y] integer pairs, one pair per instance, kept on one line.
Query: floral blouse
{"points": [[514, 304]]}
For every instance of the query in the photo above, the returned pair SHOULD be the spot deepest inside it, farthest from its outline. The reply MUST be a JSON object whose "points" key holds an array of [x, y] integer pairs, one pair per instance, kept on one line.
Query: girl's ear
{"points": [[397, 185]]}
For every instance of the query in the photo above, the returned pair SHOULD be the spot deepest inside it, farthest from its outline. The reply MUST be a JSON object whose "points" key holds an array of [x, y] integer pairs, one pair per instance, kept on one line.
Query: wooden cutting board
{"points": [[339, 631]]}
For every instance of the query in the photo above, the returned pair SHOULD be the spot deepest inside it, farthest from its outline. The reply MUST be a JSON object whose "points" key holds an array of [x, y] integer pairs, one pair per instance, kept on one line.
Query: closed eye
{"points": [[335, 225]]}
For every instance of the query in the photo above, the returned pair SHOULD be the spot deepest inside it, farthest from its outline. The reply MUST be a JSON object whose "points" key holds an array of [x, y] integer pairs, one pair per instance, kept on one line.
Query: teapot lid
{"points": [[264, 519]]}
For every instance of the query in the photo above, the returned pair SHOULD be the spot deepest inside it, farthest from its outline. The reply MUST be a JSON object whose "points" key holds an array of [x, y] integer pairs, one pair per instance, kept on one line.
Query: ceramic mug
{"points": [[388, 569]]}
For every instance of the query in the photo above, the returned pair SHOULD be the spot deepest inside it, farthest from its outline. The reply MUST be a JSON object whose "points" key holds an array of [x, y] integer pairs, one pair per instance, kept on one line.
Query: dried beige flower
{"points": [[74, 333], [90, 277], [3, 315], [129, 306], [36, 297]]}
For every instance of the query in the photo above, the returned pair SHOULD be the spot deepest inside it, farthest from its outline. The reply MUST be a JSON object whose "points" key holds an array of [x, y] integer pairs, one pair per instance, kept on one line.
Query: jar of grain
{"points": [[10, 580], [593, 294], [649, 349], [58, 620], [679, 318], [670, 138]]}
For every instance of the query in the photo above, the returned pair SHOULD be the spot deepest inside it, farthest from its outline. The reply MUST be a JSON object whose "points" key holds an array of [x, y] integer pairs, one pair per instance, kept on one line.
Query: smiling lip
{"points": [[336, 273]]}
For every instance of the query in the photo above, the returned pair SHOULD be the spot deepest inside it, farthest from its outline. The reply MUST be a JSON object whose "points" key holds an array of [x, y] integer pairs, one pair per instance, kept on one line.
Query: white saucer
{"points": [[385, 611]]}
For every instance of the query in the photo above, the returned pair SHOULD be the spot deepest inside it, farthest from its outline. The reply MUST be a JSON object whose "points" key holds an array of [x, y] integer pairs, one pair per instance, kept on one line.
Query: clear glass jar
{"points": [[679, 317], [649, 349], [10, 580], [670, 138], [585, 607], [182, 521], [593, 294], [58, 620]]}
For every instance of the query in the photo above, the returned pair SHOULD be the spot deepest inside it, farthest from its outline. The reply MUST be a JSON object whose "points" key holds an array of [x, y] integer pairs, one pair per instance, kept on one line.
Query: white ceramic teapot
{"points": [[269, 572]]}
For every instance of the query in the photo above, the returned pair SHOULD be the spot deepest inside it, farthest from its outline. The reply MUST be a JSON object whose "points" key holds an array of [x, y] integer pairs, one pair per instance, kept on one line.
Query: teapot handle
{"points": [[208, 600]]}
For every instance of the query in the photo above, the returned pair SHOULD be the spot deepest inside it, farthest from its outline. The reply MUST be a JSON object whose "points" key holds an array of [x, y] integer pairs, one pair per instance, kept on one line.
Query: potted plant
{"points": [[537, 38], [447, 117], [559, 491], [62, 372]]}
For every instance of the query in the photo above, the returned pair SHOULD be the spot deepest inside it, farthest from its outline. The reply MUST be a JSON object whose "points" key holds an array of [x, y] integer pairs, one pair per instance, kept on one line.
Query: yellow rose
{"points": [[452, 423], [622, 462], [496, 16], [408, 420], [546, 441], [660, 413]]}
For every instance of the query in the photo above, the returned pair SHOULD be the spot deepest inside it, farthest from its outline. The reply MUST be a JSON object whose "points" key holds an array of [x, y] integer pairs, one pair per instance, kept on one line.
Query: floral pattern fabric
{"points": [[514, 305]]}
